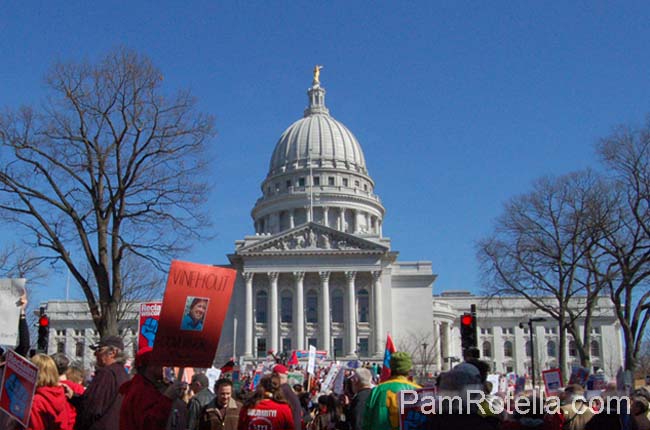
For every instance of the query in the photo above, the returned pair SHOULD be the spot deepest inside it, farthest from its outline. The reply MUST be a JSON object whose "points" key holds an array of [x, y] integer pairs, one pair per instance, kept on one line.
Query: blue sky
{"points": [[458, 106]]}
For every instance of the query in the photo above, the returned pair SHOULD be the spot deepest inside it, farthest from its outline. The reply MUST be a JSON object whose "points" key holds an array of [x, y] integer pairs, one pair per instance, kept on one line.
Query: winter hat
{"points": [[400, 363]]}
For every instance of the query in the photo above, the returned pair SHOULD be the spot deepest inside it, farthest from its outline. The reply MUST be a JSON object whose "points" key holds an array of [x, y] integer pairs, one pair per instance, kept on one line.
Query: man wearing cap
{"points": [[576, 411], [98, 408], [289, 395], [202, 396], [361, 387], [382, 408]]}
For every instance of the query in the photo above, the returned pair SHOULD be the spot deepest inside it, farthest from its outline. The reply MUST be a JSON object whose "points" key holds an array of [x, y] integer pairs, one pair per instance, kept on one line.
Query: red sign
{"points": [[194, 308], [148, 324], [552, 381], [18, 387]]}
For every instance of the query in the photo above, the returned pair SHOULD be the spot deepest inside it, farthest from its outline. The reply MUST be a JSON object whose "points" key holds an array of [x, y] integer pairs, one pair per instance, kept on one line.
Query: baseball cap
{"points": [[114, 341], [279, 368]]}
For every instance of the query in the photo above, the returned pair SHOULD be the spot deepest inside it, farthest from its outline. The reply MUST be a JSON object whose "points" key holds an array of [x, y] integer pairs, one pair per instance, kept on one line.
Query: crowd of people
{"points": [[146, 398]]}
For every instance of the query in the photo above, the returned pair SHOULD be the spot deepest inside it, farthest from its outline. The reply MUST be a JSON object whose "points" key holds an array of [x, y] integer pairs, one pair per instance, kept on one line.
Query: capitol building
{"points": [[318, 270]]}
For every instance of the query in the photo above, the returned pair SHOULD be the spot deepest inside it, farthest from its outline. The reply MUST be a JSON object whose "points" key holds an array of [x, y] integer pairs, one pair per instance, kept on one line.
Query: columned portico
{"points": [[299, 310], [325, 318], [351, 318]]}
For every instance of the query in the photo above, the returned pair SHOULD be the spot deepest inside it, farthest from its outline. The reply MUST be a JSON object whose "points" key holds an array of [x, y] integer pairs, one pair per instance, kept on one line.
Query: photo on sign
{"points": [[194, 314]]}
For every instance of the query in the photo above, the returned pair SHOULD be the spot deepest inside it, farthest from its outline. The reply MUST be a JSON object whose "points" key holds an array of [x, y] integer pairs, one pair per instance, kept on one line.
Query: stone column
{"points": [[380, 230], [355, 219], [342, 220], [309, 213], [351, 317], [299, 310], [446, 342], [379, 326], [292, 223], [249, 324], [437, 346], [273, 321], [326, 221], [325, 340]]}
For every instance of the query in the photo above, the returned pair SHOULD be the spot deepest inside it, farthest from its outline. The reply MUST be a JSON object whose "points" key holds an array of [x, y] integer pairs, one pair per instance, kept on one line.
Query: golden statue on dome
{"points": [[317, 68]]}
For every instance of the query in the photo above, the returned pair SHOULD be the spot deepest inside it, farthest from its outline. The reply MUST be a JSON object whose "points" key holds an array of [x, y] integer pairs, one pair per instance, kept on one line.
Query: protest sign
{"points": [[148, 323], [213, 375], [194, 307], [312, 360], [10, 292], [579, 375], [329, 379], [18, 387], [304, 354], [495, 381], [520, 384], [411, 416], [552, 381], [294, 378]]}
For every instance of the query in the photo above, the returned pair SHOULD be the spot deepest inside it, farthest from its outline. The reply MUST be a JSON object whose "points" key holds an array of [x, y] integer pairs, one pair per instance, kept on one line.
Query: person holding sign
{"points": [[50, 408], [195, 314]]}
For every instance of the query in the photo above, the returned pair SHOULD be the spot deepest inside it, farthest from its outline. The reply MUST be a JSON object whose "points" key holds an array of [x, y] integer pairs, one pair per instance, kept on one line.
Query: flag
{"points": [[293, 361], [385, 369]]}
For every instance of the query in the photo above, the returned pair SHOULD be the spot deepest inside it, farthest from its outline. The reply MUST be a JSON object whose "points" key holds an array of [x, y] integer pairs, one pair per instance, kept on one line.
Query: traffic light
{"points": [[468, 331], [43, 332]]}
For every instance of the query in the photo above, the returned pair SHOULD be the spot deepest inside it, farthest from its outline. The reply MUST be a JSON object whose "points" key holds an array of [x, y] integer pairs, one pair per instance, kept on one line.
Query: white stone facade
{"points": [[504, 344]]}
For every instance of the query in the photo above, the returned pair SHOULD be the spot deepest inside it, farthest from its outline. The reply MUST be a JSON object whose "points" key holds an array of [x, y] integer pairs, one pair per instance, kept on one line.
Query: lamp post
{"points": [[532, 343], [424, 359]]}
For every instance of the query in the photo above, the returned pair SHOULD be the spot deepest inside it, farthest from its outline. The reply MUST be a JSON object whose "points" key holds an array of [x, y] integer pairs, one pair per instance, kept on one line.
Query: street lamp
{"points": [[424, 359], [532, 343]]}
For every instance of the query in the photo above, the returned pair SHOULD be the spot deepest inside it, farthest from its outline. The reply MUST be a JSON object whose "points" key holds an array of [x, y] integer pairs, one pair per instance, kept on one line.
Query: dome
{"points": [[317, 136]]}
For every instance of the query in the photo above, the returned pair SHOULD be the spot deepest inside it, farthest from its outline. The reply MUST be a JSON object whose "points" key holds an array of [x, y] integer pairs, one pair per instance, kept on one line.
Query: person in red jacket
{"points": [[147, 400], [267, 409], [50, 409]]}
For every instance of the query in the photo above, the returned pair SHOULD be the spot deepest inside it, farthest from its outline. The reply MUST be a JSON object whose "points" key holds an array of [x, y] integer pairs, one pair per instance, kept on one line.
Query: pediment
{"points": [[313, 238]]}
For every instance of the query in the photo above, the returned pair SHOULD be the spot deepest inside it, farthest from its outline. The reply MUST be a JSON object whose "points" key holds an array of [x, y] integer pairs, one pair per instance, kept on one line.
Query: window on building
{"points": [[261, 347], [260, 306], [286, 344], [363, 347], [508, 330], [312, 307], [595, 330], [316, 181], [312, 341], [338, 346], [507, 348], [286, 307], [345, 182], [288, 184], [277, 187], [337, 306], [487, 349], [356, 184], [551, 349], [79, 349], [60, 346], [363, 303], [301, 182], [525, 330], [268, 190], [78, 332], [330, 181], [365, 187], [595, 349], [60, 332], [573, 351], [509, 369], [529, 348], [550, 330], [486, 330]]}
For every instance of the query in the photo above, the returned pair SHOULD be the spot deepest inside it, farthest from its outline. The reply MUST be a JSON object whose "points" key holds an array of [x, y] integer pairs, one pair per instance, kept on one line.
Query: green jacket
{"points": [[382, 408]]}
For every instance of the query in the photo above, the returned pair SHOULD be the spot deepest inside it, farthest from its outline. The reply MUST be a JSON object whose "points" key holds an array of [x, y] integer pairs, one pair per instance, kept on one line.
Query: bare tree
{"points": [[626, 240], [422, 348], [542, 248], [108, 168]]}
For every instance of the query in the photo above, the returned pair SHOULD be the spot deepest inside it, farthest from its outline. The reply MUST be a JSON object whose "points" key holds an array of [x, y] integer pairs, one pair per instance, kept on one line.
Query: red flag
{"points": [[293, 361], [385, 369]]}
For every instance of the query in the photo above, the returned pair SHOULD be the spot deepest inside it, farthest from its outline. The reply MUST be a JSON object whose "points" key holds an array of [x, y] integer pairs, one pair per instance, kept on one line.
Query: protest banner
{"points": [[18, 387], [552, 381], [579, 375], [10, 292], [329, 379], [411, 416], [148, 323], [312, 360], [294, 378], [304, 354], [194, 307]]}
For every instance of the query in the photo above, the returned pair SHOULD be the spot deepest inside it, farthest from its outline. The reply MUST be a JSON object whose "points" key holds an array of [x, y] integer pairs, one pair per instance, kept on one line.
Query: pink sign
{"points": [[18, 387], [148, 324]]}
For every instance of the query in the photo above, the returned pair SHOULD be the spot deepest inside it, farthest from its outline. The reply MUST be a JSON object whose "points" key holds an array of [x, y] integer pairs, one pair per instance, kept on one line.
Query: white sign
{"points": [[213, 375], [311, 362], [329, 379], [495, 380], [10, 292]]}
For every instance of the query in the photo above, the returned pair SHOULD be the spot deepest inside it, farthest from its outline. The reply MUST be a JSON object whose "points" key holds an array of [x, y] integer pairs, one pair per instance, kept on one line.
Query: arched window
{"points": [[595, 348], [529, 349], [487, 349], [507, 348], [337, 306], [572, 348], [312, 306], [551, 350], [286, 307], [261, 302], [363, 303]]}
